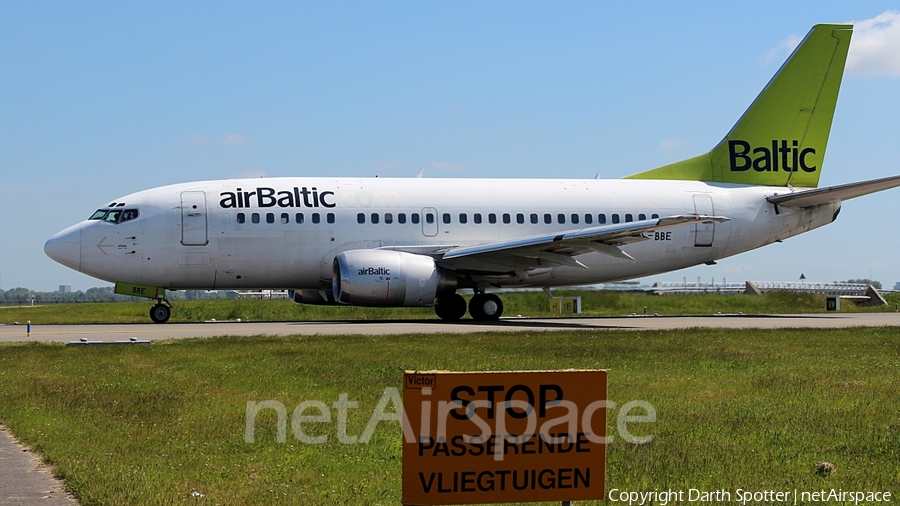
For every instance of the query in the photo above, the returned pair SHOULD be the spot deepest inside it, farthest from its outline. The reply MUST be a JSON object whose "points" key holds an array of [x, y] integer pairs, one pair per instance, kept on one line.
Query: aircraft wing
{"points": [[560, 247], [814, 197]]}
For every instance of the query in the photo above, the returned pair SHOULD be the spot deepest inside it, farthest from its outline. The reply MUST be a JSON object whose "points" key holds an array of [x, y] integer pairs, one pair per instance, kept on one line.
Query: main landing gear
{"points": [[482, 307], [161, 311], [450, 307], [485, 307]]}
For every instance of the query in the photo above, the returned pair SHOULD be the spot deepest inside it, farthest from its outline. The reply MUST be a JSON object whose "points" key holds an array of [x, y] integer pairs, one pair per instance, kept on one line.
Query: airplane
{"points": [[417, 241]]}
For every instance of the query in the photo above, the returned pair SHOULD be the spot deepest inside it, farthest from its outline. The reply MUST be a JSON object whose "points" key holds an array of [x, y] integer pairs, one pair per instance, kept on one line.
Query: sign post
{"points": [[565, 305], [488, 437]]}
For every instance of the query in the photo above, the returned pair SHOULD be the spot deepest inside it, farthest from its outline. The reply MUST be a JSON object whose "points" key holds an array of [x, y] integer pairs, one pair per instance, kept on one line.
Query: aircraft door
{"points": [[429, 222], [193, 219], [704, 233]]}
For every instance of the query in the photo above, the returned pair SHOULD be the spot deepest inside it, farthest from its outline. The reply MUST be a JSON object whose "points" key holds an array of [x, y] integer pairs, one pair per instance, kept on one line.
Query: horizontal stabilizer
{"points": [[809, 198]]}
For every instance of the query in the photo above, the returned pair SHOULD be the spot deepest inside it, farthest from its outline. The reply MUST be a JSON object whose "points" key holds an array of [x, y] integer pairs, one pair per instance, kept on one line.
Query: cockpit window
{"points": [[128, 214], [114, 215]]}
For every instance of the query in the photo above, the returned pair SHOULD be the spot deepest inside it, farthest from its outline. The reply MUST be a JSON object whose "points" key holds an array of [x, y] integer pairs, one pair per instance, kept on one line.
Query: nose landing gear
{"points": [[161, 311]]}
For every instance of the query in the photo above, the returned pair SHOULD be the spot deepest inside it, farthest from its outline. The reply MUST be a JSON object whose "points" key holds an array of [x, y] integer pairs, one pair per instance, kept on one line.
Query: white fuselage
{"points": [[210, 235]]}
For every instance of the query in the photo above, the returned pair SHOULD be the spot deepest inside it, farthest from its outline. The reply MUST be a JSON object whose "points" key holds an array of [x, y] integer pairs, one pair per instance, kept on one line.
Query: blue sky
{"points": [[98, 100]]}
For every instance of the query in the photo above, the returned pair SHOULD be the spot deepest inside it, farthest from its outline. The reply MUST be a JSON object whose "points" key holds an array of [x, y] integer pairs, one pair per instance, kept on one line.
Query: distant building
{"points": [[65, 288], [897, 286]]}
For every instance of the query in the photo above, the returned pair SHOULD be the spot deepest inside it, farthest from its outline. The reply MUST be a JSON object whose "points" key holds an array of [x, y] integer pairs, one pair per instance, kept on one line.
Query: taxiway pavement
{"points": [[151, 331]]}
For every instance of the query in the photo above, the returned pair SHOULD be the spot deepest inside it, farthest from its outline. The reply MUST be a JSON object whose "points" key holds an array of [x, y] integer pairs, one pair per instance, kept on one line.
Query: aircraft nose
{"points": [[65, 247]]}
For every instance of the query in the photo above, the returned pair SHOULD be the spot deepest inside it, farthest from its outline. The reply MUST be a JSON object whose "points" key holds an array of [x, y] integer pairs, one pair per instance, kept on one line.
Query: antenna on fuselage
{"points": [[421, 172]]}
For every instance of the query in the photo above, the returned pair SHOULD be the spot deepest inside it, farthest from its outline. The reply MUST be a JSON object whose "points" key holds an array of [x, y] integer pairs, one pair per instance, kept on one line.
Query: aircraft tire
{"points": [[485, 307], [450, 307], [160, 313]]}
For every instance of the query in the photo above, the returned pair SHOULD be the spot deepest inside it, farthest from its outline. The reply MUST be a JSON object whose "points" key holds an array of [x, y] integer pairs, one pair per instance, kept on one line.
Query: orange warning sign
{"points": [[486, 437]]}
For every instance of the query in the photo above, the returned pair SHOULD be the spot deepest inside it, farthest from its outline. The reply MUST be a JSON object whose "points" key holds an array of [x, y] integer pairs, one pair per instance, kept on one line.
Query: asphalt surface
{"points": [[151, 331], [24, 480]]}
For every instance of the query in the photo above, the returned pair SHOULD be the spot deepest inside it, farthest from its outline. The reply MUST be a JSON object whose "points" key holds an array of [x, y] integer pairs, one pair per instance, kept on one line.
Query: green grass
{"points": [[526, 304], [743, 408]]}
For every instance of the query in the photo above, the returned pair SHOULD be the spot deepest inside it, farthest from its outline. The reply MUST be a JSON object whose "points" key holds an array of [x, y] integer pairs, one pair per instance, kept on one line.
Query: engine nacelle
{"points": [[388, 278], [312, 297]]}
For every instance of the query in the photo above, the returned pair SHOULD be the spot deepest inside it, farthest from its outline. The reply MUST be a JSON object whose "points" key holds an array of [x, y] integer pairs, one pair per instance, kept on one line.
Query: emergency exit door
{"points": [[429, 222]]}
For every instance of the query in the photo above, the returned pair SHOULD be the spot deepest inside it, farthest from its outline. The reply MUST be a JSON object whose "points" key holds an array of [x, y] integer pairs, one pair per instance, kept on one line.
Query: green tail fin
{"points": [[780, 140]]}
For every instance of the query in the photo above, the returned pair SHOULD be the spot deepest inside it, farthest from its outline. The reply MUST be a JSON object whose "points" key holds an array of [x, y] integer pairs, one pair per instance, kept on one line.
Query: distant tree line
{"points": [[100, 294]]}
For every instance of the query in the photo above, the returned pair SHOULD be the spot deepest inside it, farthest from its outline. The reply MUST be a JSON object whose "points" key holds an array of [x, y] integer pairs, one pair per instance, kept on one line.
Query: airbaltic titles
{"points": [[766, 160], [269, 197]]}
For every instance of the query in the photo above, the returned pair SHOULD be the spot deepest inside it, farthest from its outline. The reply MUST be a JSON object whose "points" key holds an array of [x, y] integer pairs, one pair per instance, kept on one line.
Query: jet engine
{"points": [[388, 278]]}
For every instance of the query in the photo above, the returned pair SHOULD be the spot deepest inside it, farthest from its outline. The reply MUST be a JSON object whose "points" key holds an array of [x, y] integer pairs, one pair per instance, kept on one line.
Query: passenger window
{"points": [[506, 219], [429, 218], [361, 218], [534, 218], [615, 218], [298, 218], [561, 218], [492, 218], [477, 217], [401, 218], [446, 217], [388, 218], [375, 218], [316, 218], [254, 217], [285, 218], [463, 218], [241, 218], [588, 218], [330, 217], [414, 217], [628, 218], [642, 217], [270, 217], [574, 219], [520, 218], [548, 218], [128, 215], [601, 218], [654, 216]]}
